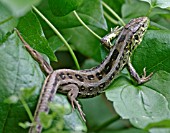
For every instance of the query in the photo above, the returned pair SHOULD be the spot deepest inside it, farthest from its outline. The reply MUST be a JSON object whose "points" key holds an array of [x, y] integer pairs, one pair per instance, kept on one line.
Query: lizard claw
{"points": [[80, 110], [144, 72], [74, 103], [72, 94], [144, 77]]}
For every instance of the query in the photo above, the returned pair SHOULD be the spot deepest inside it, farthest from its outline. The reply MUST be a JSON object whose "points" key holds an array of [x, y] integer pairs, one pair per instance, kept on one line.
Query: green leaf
{"points": [[46, 119], [154, 52], [89, 63], [55, 43], [71, 28], [160, 83], [104, 52], [130, 130], [115, 5], [13, 99], [18, 70], [7, 21], [61, 117], [141, 9], [54, 106], [63, 7], [18, 7], [158, 3], [88, 47], [92, 16], [27, 92], [32, 32], [159, 130], [160, 124], [24, 73], [25, 124], [72, 119], [53, 130], [140, 103], [93, 108]]}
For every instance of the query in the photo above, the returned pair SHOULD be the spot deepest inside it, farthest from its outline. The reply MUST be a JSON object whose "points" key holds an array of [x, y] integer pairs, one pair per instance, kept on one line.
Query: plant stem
{"points": [[158, 26], [81, 21], [27, 108], [59, 35], [110, 18], [4, 21], [113, 12], [150, 9], [107, 123]]}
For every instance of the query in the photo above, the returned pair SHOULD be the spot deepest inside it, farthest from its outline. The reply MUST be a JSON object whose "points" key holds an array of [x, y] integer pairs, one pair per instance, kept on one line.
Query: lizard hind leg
{"points": [[72, 95], [36, 55]]}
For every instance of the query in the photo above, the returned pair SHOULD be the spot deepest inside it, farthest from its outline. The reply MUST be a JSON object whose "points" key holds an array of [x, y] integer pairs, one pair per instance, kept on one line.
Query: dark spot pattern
{"points": [[91, 88], [122, 55], [39, 127], [112, 76], [55, 81], [50, 98], [99, 76], [102, 85], [115, 55], [79, 77], [108, 67], [63, 84], [82, 88], [76, 84], [69, 76], [90, 77], [46, 109], [52, 91], [124, 61], [126, 48], [118, 66], [136, 37], [62, 75]]}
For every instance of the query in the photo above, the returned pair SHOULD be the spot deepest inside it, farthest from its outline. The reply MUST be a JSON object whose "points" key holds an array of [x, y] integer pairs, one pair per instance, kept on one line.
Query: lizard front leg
{"points": [[136, 76], [106, 40], [72, 95]]}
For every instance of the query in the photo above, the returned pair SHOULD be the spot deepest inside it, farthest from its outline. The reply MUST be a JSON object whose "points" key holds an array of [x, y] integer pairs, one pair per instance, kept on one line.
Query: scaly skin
{"points": [[91, 82]]}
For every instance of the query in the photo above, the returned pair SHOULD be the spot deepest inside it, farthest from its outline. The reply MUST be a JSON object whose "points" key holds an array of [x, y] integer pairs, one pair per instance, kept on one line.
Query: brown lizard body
{"points": [[91, 82]]}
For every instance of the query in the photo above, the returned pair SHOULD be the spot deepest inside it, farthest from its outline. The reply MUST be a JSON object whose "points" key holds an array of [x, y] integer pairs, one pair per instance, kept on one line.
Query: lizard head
{"points": [[137, 27]]}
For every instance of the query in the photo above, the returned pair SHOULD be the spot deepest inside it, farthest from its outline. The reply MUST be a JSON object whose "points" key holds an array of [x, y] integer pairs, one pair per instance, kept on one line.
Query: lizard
{"points": [[91, 82]]}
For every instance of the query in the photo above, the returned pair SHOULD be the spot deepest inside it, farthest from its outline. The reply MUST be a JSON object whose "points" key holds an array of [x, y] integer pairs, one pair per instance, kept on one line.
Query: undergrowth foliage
{"points": [[67, 34]]}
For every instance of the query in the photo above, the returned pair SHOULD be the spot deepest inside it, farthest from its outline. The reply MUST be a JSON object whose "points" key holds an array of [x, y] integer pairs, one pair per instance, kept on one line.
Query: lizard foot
{"points": [[72, 95], [144, 77]]}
